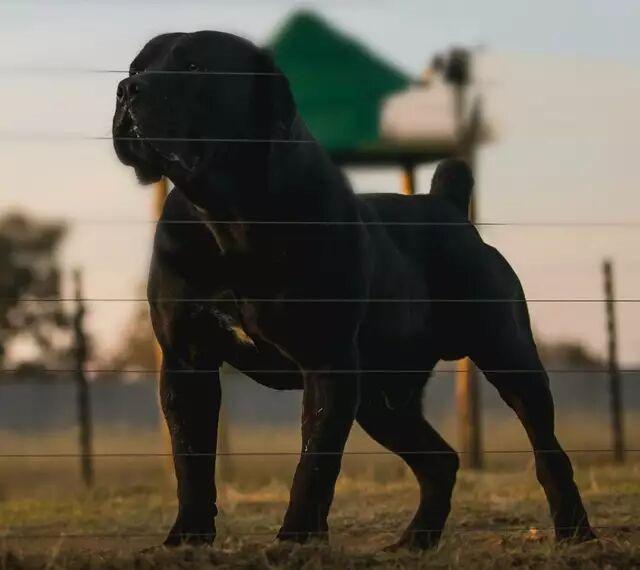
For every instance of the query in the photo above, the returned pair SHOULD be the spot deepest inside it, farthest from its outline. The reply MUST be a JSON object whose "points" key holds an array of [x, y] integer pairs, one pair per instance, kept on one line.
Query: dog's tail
{"points": [[453, 181]]}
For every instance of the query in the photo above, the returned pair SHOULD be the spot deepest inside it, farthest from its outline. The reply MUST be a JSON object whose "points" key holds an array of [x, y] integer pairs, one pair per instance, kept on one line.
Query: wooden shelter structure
{"points": [[357, 104]]}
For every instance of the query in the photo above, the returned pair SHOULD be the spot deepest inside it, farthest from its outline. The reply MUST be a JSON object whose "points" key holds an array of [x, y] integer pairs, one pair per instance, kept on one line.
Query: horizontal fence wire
{"points": [[118, 71], [152, 454], [162, 222], [338, 371], [299, 300], [70, 137], [448, 529], [113, 71], [45, 137]]}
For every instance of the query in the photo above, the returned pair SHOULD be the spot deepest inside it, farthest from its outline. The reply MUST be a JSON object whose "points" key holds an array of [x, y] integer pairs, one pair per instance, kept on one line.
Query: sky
{"points": [[561, 82]]}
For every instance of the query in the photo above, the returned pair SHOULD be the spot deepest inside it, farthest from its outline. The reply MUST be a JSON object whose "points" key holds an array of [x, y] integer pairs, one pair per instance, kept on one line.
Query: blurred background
{"points": [[548, 98]]}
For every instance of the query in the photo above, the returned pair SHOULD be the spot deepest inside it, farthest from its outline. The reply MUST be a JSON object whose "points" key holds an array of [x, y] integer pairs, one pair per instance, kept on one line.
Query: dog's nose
{"points": [[128, 88]]}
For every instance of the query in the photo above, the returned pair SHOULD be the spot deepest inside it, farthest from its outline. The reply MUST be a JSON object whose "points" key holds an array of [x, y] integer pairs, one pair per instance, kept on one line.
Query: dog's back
{"points": [[422, 225]]}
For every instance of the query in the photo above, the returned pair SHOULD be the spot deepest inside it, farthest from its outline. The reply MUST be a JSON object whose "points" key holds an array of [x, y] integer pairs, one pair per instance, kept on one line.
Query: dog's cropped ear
{"points": [[277, 102]]}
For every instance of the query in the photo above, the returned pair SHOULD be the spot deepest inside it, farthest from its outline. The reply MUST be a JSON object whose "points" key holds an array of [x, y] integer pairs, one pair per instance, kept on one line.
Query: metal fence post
{"points": [[615, 392], [80, 352]]}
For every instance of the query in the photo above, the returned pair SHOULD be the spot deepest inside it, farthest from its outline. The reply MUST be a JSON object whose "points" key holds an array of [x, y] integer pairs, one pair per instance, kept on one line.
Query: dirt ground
{"points": [[499, 520]]}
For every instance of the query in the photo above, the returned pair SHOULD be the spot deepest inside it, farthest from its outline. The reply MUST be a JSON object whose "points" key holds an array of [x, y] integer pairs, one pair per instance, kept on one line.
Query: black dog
{"points": [[265, 259]]}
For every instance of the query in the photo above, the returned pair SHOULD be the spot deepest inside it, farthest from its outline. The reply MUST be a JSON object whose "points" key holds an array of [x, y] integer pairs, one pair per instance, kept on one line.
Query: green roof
{"points": [[338, 83]]}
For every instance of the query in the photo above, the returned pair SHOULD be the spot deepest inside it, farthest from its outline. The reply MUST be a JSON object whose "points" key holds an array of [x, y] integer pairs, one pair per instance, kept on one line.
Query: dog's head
{"points": [[191, 102]]}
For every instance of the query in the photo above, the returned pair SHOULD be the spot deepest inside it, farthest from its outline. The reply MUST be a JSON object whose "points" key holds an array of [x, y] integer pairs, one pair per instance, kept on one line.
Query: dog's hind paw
{"points": [[415, 540]]}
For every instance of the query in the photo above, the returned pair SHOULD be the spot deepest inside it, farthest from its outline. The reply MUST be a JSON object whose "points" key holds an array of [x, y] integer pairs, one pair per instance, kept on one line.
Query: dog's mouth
{"points": [[132, 150], [124, 125], [149, 154]]}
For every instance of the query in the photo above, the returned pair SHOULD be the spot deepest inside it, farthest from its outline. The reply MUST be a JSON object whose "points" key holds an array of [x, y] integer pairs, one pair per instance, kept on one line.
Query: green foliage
{"points": [[30, 272], [137, 351], [571, 354]]}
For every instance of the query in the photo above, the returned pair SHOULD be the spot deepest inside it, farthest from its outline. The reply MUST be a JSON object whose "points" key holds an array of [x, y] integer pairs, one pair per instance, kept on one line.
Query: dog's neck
{"points": [[291, 180]]}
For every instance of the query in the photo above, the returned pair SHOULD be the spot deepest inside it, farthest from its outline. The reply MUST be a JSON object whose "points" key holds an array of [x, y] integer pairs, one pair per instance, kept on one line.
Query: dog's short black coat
{"points": [[357, 287]]}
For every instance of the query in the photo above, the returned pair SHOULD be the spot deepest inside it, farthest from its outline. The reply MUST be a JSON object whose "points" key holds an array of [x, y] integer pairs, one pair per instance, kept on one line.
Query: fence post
{"points": [[615, 395], [80, 353], [160, 190]]}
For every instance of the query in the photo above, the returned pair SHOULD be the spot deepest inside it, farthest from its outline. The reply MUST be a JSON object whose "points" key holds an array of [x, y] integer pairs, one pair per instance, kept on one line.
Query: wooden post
{"points": [[159, 196], [615, 393], [408, 180], [85, 427], [468, 415], [467, 377]]}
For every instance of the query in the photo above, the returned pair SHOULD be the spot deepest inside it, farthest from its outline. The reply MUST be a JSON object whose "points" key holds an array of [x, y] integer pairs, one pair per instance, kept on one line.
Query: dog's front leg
{"points": [[191, 404], [329, 405]]}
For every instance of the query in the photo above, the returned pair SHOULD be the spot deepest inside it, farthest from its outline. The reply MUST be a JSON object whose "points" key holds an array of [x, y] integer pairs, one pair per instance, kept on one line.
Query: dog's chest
{"points": [[230, 235]]}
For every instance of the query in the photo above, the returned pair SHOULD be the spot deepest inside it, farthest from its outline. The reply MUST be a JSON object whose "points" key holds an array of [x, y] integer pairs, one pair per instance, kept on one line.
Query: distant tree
{"points": [[568, 354], [30, 272], [137, 349]]}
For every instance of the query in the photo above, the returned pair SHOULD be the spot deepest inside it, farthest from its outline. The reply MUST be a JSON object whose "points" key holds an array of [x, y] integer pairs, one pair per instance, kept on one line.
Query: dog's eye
{"points": [[193, 67]]}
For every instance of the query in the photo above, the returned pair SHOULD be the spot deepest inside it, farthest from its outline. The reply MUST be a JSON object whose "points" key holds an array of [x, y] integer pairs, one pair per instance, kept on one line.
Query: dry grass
{"points": [[42, 477], [499, 520]]}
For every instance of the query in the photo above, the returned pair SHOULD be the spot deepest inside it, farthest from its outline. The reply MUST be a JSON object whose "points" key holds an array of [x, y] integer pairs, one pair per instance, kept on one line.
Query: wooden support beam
{"points": [[408, 187], [160, 191], [615, 390], [468, 415], [468, 407], [467, 375]]}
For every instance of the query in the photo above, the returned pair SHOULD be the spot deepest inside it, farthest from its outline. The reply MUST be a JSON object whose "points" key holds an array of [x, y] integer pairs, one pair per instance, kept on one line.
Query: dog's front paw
{"points": [[194, 530], [302, 533]]}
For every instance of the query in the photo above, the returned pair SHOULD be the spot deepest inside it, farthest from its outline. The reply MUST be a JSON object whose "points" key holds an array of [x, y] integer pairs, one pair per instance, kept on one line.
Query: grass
{"points": [[499, 517], [499, 520]]}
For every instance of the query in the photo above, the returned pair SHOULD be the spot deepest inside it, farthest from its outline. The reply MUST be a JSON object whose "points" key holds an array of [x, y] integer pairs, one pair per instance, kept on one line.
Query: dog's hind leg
{"points": [[401, 428], [329, 404], [512, 365]]}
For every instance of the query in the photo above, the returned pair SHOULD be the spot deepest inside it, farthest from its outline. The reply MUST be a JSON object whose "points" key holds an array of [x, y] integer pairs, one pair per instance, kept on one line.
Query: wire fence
{"points": [[8, 136], [431, 452], [456, 529], [163, 222], [300, 300], [442, 372]]}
